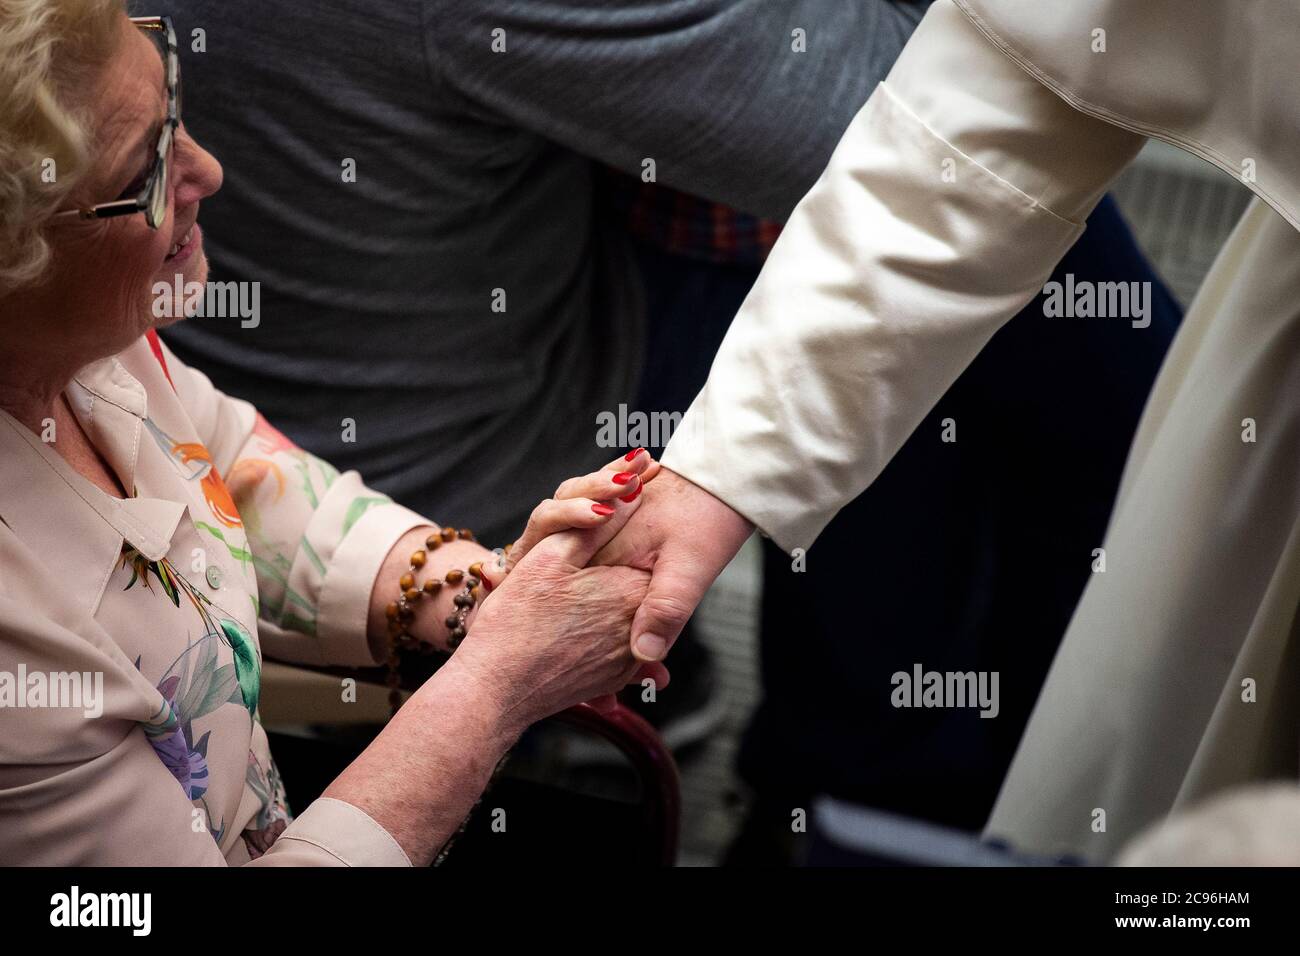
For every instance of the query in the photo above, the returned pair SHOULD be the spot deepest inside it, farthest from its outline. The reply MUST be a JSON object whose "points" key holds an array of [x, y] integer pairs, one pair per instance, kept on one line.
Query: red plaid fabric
{"points": [[687, 225]]}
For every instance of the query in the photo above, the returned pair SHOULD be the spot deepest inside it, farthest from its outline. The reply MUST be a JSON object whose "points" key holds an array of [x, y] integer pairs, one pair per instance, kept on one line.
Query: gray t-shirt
{"points": [[473, 174]]}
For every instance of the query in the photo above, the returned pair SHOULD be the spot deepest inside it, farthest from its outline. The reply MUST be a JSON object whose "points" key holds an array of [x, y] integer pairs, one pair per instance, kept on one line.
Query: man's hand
{"points": [[684, 536]]}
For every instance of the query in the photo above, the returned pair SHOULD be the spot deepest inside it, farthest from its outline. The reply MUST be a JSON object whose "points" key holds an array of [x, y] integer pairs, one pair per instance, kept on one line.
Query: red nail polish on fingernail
{"points": [[623, 477], [602, 509], [632, 496], [632, 454]]}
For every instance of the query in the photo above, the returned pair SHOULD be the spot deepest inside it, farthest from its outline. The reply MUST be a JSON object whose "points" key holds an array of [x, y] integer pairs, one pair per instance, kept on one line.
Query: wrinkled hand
{"points": [[555, 632], [588, 501], [685, 537]]}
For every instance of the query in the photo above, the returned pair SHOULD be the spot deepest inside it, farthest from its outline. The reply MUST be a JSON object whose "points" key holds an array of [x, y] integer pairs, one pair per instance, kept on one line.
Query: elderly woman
{"points": [[157, 535]]}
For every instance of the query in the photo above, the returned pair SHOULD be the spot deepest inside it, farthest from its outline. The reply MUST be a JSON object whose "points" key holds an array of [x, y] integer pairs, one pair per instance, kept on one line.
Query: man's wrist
{"points": [[734, 525]]}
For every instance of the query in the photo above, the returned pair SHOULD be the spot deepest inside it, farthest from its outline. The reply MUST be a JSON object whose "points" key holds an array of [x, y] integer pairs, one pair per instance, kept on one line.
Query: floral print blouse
{"points": [[132, 631]]}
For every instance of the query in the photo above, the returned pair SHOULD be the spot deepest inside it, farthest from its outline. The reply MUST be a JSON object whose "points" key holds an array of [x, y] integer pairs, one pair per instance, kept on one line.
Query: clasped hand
{"points": [[611, 574]]}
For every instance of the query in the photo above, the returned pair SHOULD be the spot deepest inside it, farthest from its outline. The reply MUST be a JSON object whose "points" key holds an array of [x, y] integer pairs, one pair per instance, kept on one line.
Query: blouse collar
{"points": [[69, 522]]}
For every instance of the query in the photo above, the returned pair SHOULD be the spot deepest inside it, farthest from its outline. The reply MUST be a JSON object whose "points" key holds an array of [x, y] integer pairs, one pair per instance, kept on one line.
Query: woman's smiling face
{"points": [[113, 265]]}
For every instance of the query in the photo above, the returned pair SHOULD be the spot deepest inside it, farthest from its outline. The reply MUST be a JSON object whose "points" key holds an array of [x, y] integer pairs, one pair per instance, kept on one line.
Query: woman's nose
{"points": [[196, 172]]}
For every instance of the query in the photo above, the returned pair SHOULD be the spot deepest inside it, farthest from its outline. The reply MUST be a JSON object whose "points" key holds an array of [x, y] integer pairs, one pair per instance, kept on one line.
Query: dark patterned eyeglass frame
{"points": [[152, 200]]}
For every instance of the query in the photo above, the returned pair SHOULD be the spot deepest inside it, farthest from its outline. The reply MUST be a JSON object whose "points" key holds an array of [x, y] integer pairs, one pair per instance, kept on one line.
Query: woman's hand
{"points": [[588, 501], [579, 503], [552, 634], [555, 633]]}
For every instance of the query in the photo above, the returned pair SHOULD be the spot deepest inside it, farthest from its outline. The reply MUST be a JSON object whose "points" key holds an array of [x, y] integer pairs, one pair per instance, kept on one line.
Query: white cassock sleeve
{"points": [[944, 209]]}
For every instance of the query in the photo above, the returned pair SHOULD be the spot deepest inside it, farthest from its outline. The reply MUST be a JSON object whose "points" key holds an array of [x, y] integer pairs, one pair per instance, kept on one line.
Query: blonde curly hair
{"points": [[47, 48]]}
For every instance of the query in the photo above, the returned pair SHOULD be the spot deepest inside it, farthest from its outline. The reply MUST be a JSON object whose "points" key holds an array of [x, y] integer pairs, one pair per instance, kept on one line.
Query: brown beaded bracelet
{"points": [[401, 613]]}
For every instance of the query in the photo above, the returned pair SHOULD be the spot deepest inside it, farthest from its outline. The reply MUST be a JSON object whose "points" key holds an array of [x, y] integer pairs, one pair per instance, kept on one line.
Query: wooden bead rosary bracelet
{"points": [[401, 613]]}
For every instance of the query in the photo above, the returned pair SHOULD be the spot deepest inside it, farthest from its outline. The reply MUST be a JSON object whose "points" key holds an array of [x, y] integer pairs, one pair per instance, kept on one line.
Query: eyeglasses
{"points": [[152, 198]]}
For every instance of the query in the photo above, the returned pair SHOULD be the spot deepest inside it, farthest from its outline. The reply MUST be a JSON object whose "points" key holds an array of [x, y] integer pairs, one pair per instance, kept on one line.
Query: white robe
{"points": [[943, 211]]}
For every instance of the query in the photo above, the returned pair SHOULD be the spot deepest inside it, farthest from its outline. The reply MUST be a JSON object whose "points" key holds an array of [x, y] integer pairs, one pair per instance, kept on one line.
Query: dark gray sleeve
{"points": [[713, 91]]}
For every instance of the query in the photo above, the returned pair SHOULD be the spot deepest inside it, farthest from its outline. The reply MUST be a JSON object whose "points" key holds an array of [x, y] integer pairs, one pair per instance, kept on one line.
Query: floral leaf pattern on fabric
{"points": [[242, 555], [173, 737], [193, 462], [186, 609], [187, 764], [173, 585], [243, 677], [248, 664], [360, 506], [274, 815], [194, 686], [274, 478], [265, 782]]}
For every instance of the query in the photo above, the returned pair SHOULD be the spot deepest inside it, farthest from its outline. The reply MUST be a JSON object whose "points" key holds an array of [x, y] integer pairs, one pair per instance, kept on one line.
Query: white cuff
{"points": [[347, 834], [344, 607]]}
